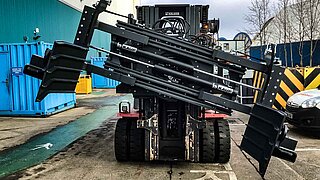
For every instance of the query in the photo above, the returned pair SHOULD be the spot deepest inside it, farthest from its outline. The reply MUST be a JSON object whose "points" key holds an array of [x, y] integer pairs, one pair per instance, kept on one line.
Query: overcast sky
{"points": [[230, 12]]}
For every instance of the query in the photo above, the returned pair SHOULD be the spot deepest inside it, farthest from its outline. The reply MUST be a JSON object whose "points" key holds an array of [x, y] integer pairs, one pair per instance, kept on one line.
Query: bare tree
{"points": [[288, 26], [299, 13], [278, 23], [307, 15], [283, 22], [313, 15], [258, 16]]}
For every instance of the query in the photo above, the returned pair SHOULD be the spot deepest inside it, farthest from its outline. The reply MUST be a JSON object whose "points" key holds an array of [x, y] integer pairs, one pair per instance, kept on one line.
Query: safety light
{"points": [[205, 26]]}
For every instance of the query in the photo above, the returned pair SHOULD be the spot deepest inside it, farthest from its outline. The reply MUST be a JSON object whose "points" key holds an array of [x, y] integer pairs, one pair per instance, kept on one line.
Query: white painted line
{"points": [[232, 176], [212, 174], [46, 146], [227, 167], [209, 175], [289, 168], [237, 124], [306, 149]]}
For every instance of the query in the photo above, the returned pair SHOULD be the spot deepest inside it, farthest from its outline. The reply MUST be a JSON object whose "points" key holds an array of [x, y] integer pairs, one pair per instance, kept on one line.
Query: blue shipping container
{"points": [[18, 91], [100, 81]]}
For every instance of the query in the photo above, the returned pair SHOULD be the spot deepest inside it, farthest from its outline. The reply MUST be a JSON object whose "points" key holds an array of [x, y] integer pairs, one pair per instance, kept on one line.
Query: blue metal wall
{"points": [[100, 81], [22, 89], [255, 51], [56, 21]]}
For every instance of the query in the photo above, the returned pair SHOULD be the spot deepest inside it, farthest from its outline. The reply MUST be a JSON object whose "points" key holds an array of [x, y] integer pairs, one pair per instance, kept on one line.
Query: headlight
{"points": [[310, 103]]}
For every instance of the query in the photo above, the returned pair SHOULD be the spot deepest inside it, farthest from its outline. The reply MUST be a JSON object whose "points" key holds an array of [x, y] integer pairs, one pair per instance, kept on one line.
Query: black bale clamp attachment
{"points": [[265, 135]]}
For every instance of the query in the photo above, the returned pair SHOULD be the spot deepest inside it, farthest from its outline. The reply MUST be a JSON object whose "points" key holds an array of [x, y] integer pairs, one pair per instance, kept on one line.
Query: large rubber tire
{"points": [[223, 143], [121, 145], [207, 147], [136, 142]]}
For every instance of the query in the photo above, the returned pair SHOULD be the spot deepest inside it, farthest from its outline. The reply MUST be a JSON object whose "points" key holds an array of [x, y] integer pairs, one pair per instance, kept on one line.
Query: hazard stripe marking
{"points": [[281, 101], [277, 105], [255, 78], [298, 74], [290, 84], [258, 81], [285, 91], [283, 95], [312, 78], [294, 80], [315, 83]]}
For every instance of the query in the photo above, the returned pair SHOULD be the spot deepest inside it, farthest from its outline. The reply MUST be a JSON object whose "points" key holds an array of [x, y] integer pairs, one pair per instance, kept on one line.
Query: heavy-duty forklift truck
{"points": [[173, 82]]}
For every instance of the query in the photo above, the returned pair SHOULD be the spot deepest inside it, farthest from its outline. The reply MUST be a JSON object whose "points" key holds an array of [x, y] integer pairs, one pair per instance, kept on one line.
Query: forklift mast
{"points": [[174, 83]]}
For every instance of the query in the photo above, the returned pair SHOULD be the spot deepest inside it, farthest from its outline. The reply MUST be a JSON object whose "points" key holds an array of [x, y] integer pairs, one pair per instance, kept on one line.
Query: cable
{"points": [[203, 39], [110, 12], [162, 27], [177, 26]]}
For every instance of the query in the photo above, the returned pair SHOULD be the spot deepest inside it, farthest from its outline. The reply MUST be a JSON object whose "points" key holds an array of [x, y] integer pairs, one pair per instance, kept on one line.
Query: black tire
{"points": [[223, 142], [207, 150], [136, 142], [121, 140]]}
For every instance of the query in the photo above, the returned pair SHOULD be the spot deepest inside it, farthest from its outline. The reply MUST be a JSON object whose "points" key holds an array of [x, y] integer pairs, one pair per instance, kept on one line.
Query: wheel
{"points": [[215, 142], [222, 138], [207, 147], [136, 142], [121, 145]]}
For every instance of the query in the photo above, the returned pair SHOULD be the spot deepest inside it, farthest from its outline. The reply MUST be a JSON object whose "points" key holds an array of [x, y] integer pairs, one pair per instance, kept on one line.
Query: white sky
{"points": [[230, 12]]}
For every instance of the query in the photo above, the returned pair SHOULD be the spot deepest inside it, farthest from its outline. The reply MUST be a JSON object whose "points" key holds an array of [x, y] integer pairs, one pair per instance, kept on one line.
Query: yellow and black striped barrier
{"points": [[311, 77], [258, 79], [292, 82], [295, 80]]}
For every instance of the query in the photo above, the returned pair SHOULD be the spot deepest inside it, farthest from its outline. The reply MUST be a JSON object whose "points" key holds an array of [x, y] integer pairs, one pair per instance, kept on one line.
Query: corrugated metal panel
{"points": [[256, 52], [23, 89], [99, 81]]}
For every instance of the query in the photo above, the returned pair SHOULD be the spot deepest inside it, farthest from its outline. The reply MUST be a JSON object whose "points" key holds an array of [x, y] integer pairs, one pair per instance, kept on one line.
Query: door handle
{"points": [[6, 81]]}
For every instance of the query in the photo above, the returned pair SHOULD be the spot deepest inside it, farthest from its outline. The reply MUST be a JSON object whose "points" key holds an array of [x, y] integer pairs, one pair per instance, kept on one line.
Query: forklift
{"points": [[176, 90]]}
